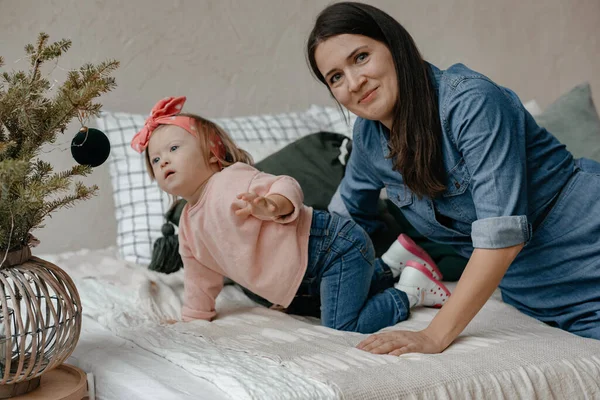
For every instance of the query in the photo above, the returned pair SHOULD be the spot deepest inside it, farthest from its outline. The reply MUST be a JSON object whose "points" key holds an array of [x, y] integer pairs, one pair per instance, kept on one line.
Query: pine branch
{"points": [[45, 53], [5, 147], [41, 170], [11, 172], [77, 170], [35, 59], [78, 91], [59, 182], [48, 187], [82, 192], [29, 118]]}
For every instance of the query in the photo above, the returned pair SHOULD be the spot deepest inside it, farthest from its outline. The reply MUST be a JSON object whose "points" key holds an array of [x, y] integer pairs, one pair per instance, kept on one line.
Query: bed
{"points": [[251, 352], [134, 350]]}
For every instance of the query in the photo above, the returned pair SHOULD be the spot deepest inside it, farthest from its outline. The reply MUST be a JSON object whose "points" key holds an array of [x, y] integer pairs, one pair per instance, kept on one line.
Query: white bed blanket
{"points": [[251, 352]]}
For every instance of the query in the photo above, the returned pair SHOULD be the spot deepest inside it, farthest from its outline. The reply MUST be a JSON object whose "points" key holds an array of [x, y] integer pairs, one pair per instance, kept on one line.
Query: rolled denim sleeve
{"points": [[488, 128], [358, 192]]}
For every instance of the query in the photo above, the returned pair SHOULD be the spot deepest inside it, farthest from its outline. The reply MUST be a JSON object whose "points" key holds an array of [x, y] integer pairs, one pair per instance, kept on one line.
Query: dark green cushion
{"points": [[314, 161]]}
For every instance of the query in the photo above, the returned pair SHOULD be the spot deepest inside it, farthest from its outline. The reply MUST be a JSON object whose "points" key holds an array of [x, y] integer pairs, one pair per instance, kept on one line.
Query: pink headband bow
{"points": [[165, 113]]}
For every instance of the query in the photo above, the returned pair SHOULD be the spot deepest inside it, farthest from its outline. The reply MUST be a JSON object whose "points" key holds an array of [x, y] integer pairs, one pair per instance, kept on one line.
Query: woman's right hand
{"points": [[481, 277], [396, 343]]}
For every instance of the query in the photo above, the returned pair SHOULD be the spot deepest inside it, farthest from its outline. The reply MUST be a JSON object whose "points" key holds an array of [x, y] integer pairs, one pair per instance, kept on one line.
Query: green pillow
{"points": [[574, 121], [314, 161]]}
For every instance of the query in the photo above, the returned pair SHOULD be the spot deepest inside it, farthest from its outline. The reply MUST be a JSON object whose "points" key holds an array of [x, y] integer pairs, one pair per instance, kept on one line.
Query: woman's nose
{"points": [[355, 81]]}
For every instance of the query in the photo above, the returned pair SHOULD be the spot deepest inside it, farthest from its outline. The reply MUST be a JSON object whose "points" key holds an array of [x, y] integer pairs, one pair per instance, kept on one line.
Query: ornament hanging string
{"points": [[83, 119]]}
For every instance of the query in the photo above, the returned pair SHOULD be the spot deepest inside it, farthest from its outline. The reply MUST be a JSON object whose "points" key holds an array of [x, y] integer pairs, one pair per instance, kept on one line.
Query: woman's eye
{"points": [[174, 147], [361, 57], [155, 160], [335, 77]]}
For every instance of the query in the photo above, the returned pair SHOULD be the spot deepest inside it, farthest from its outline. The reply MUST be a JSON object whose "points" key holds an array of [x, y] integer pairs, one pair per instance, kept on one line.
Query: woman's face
{"points": [[361, 75]]}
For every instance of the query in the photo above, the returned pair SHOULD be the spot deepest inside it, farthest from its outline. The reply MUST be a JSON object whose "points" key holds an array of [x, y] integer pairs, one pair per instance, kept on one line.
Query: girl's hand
{"points": [[258, 206]]}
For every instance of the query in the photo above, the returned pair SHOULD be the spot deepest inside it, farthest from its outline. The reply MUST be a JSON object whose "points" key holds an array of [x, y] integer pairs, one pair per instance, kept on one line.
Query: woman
{"points": [[468, 166]]}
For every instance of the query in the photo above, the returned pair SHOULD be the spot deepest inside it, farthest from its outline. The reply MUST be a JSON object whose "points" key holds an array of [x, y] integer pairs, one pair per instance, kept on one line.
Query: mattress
{"points": [[123, 370], [250, 352]]}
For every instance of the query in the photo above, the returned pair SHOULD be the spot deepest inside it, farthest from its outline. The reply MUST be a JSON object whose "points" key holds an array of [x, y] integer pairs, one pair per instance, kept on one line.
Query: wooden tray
{"points": [[64, 382]]}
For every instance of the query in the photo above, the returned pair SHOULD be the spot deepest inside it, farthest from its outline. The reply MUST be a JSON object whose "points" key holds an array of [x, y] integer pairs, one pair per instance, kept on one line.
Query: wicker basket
{"points": [[40, 320]]}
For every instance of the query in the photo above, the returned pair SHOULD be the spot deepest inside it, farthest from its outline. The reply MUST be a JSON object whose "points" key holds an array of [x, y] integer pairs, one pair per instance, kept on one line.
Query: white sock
{"points": [[394, 258], [411, 293], [395, 268]]}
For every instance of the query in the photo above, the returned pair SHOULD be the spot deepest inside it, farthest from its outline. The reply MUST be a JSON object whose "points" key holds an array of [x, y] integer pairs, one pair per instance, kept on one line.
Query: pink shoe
{"points": [[417, 280], [405, 249]]}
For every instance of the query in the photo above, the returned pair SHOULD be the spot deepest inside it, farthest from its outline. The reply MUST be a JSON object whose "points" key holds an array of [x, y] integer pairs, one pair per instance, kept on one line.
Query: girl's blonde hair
{"points": [[207, 131]]}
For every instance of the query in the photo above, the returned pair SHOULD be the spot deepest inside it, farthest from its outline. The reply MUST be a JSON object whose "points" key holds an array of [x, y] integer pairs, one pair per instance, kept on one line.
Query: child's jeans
{"points": [[356, 290]]}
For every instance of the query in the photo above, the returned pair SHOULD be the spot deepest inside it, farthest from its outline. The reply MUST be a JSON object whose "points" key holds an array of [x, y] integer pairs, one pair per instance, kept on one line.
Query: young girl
{"points": [[253, 228]]}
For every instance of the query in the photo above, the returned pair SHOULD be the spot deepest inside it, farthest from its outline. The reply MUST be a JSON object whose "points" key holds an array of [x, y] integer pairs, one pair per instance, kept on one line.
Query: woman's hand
{"points": [[481, 277], [396, 343], [265, 208]]}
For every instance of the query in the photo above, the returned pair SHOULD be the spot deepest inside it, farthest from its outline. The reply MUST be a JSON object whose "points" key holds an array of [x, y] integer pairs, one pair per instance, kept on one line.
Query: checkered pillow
{"points": [[333, 120], [140, 205]]}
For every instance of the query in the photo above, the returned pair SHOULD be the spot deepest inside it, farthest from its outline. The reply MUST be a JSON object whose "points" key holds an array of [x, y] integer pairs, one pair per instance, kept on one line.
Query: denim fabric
{"points": [[355, 288], [556, 277], [503, 170], [509, 181]]}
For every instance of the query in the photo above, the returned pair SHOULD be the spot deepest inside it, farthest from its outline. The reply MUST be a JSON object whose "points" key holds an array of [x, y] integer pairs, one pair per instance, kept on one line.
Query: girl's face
{"points": [[180, 166], [360, 74]]}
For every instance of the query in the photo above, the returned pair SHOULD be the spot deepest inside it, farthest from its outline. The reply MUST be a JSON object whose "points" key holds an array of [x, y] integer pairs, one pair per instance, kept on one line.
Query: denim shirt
{"points": [[503, 170]]}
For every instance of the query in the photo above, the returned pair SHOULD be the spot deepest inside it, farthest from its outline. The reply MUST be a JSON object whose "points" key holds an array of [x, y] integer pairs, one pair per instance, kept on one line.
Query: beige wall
{"points": [[246, 56]]}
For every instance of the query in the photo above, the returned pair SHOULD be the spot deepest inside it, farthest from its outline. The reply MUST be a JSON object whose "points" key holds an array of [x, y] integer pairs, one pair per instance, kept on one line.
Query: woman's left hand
{"points": [[396, 343]]}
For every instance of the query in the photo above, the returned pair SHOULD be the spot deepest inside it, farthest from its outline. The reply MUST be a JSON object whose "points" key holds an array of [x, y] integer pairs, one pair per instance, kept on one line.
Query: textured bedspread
{"points": [[251, 352]]}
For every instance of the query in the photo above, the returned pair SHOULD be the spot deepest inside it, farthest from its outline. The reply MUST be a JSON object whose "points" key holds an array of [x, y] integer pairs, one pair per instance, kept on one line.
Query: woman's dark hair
{"points": [[415, 135]]}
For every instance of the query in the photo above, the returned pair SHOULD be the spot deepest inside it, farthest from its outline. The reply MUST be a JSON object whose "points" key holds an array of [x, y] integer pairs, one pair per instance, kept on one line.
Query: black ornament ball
{"points": [[90, 147]]}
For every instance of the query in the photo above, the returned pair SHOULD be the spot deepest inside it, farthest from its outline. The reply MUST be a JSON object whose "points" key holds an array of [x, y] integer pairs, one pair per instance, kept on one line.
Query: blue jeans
{"points": [[354, 287]]}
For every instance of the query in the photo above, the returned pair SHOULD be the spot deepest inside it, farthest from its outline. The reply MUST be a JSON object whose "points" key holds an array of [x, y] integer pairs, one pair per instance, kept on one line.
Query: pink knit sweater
{"points": [[267, 257]]}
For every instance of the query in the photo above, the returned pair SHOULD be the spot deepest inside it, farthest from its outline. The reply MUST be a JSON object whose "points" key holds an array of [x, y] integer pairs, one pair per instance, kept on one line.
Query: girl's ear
{"points": [[213, 160]]}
